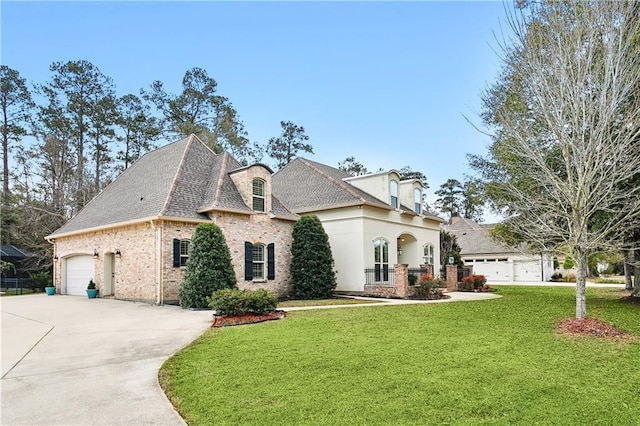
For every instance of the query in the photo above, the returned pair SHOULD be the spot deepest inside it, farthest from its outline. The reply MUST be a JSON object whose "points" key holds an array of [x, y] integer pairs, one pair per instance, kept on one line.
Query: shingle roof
{"points": [[183, 179], [474, 238], [7, 251], [304, 186]]}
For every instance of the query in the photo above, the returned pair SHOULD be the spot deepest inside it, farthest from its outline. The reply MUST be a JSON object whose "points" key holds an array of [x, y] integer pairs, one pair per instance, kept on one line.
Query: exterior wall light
{"points": [[95, 253], [118, 254]]}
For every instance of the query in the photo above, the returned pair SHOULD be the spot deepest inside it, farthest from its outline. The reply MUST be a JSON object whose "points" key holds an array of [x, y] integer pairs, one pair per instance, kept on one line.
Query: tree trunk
{"points": [[5, 177], [636, 274], [628, 261], [581, 285]]}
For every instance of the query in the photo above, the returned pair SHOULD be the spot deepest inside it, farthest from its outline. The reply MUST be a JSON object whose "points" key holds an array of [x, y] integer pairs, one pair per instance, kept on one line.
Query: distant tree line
{"points": [[65, 139]]}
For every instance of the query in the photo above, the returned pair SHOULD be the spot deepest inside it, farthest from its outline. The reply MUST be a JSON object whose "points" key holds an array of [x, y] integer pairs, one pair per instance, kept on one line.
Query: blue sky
{"points": [[386, 82]]}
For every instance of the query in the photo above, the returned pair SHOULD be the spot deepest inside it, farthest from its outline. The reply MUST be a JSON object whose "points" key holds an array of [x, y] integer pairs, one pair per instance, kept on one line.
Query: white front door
{"points": [[79, 272]]}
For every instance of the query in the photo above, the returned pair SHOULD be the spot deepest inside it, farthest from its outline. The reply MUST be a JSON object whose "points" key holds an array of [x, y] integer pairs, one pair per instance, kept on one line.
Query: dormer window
{"points": [[258, 195], [417, 200], [393, 189]]}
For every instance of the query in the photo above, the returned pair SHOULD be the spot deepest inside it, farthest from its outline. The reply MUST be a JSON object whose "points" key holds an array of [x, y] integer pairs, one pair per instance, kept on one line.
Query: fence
{"points": [[463, 273], [382, 276], [17, 284]]}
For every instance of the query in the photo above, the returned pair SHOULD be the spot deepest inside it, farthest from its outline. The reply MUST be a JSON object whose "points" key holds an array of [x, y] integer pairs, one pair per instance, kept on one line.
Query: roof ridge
{"points": [[165, 207], [339, 183], [223, 171]]}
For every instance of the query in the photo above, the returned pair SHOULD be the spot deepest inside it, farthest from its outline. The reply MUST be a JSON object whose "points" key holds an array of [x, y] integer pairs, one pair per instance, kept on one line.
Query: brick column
{"points": [[452, 277], [401, 279]]}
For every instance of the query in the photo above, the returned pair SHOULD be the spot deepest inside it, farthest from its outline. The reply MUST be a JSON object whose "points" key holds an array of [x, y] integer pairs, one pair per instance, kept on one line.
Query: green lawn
{"points": [[490, 362], [16, 292]]}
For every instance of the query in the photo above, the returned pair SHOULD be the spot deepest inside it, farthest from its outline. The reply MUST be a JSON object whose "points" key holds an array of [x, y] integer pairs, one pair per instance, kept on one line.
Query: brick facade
{"points": [[145, 272]]}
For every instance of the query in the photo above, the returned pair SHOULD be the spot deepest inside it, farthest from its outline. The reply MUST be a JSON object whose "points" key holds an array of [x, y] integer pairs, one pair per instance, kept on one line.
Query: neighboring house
{"points": [[133, 238], [373, 221], [498, 263]]}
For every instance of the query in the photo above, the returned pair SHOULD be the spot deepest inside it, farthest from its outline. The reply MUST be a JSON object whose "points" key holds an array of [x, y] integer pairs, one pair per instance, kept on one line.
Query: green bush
{"points": [[312, 273], [40, 280], [557, 276], [233, 302], [208, 268], [413, 280]]}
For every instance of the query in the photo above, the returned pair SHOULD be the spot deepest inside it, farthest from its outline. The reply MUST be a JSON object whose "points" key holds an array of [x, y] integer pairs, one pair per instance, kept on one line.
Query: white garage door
{"points": [[527, 271], [79, 272], [493, 269]]}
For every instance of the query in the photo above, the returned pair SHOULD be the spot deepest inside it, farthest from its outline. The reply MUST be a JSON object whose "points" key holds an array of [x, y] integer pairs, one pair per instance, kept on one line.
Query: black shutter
{"points": [[271, 261], [248, 261], [176, 253]]}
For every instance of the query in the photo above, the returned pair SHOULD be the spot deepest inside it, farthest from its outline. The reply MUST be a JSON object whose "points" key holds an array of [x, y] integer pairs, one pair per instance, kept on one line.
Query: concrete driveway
{"points": [[69, 360]]}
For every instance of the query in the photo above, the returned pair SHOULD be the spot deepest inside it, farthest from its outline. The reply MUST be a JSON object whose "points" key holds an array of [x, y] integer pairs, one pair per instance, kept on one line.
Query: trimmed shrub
{"points": [[473, 283], [233, 302], [312, 274], [429, 288], [208, 268], [557, 276]]}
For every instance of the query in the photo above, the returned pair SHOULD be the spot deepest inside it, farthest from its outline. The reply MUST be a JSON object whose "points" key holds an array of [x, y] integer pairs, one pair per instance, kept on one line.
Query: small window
{"points": [[258, 262], [428, 254], [185, 247], [393, 188], [417, 200], [258, 195]]}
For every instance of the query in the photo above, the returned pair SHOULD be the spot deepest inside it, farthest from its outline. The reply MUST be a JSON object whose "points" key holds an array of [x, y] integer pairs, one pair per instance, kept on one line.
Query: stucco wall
{"points": [[352, 231]]}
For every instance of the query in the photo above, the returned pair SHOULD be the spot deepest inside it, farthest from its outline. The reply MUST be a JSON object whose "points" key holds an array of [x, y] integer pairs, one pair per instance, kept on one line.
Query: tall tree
{"points": [[567, 124], [407, 172], [72, 102], [101, 131], [16, 103], [201, 111], [352, 166], [449, 197], [449, 248], [138, 129], [285, 148], [472, 200]]}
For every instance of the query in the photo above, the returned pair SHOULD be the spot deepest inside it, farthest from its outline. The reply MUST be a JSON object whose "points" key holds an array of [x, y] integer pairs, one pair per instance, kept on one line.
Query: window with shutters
{"points": [[185, 247], [258, 262], [259, 195]]}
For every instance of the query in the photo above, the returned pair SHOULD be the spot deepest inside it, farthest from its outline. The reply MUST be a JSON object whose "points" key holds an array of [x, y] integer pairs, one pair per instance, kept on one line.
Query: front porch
{"points": [[382, 281]]}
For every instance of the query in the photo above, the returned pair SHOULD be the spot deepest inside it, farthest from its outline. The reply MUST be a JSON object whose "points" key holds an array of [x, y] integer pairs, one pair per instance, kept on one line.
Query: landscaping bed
{"points": [[225, 321]]}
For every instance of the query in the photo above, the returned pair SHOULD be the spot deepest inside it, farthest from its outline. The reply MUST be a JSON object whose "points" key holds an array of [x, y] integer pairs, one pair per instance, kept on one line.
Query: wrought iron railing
{"points": [[380, 275]]}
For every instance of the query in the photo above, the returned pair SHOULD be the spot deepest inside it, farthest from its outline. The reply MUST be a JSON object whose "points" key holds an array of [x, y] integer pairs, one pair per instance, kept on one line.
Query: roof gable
{"points": [[304, 185], [183, 180]]}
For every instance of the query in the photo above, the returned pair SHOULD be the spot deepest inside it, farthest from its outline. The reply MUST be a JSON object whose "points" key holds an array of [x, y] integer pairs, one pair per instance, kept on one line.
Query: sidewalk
{"points": [[555, 284], [455, 296]]}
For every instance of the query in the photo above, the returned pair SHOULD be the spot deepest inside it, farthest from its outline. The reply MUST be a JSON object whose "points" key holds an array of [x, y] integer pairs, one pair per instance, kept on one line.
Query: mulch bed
{"points": [[225, 321], [591, 327], [632, 300]]}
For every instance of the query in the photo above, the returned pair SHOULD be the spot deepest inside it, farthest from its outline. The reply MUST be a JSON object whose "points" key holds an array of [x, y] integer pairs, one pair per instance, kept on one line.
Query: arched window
{"points": [[393, 189], [417, 200], [258, 195], [185, 247], [429, 251], [381, 260], [258, 262]]}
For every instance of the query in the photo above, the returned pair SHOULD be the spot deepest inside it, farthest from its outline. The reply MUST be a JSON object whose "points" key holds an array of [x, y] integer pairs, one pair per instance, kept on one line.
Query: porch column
{"points": [[401, 279], [452, 277]]}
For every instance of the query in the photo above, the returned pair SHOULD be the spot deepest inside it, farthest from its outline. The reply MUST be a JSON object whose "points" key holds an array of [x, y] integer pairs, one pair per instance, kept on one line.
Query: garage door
{"points": [[527, 271], [493, 269], [79, 272]]}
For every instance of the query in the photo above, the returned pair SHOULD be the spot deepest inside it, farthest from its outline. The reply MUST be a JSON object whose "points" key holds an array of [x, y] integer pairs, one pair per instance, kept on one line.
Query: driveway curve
{"points": [[71, 360]]}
